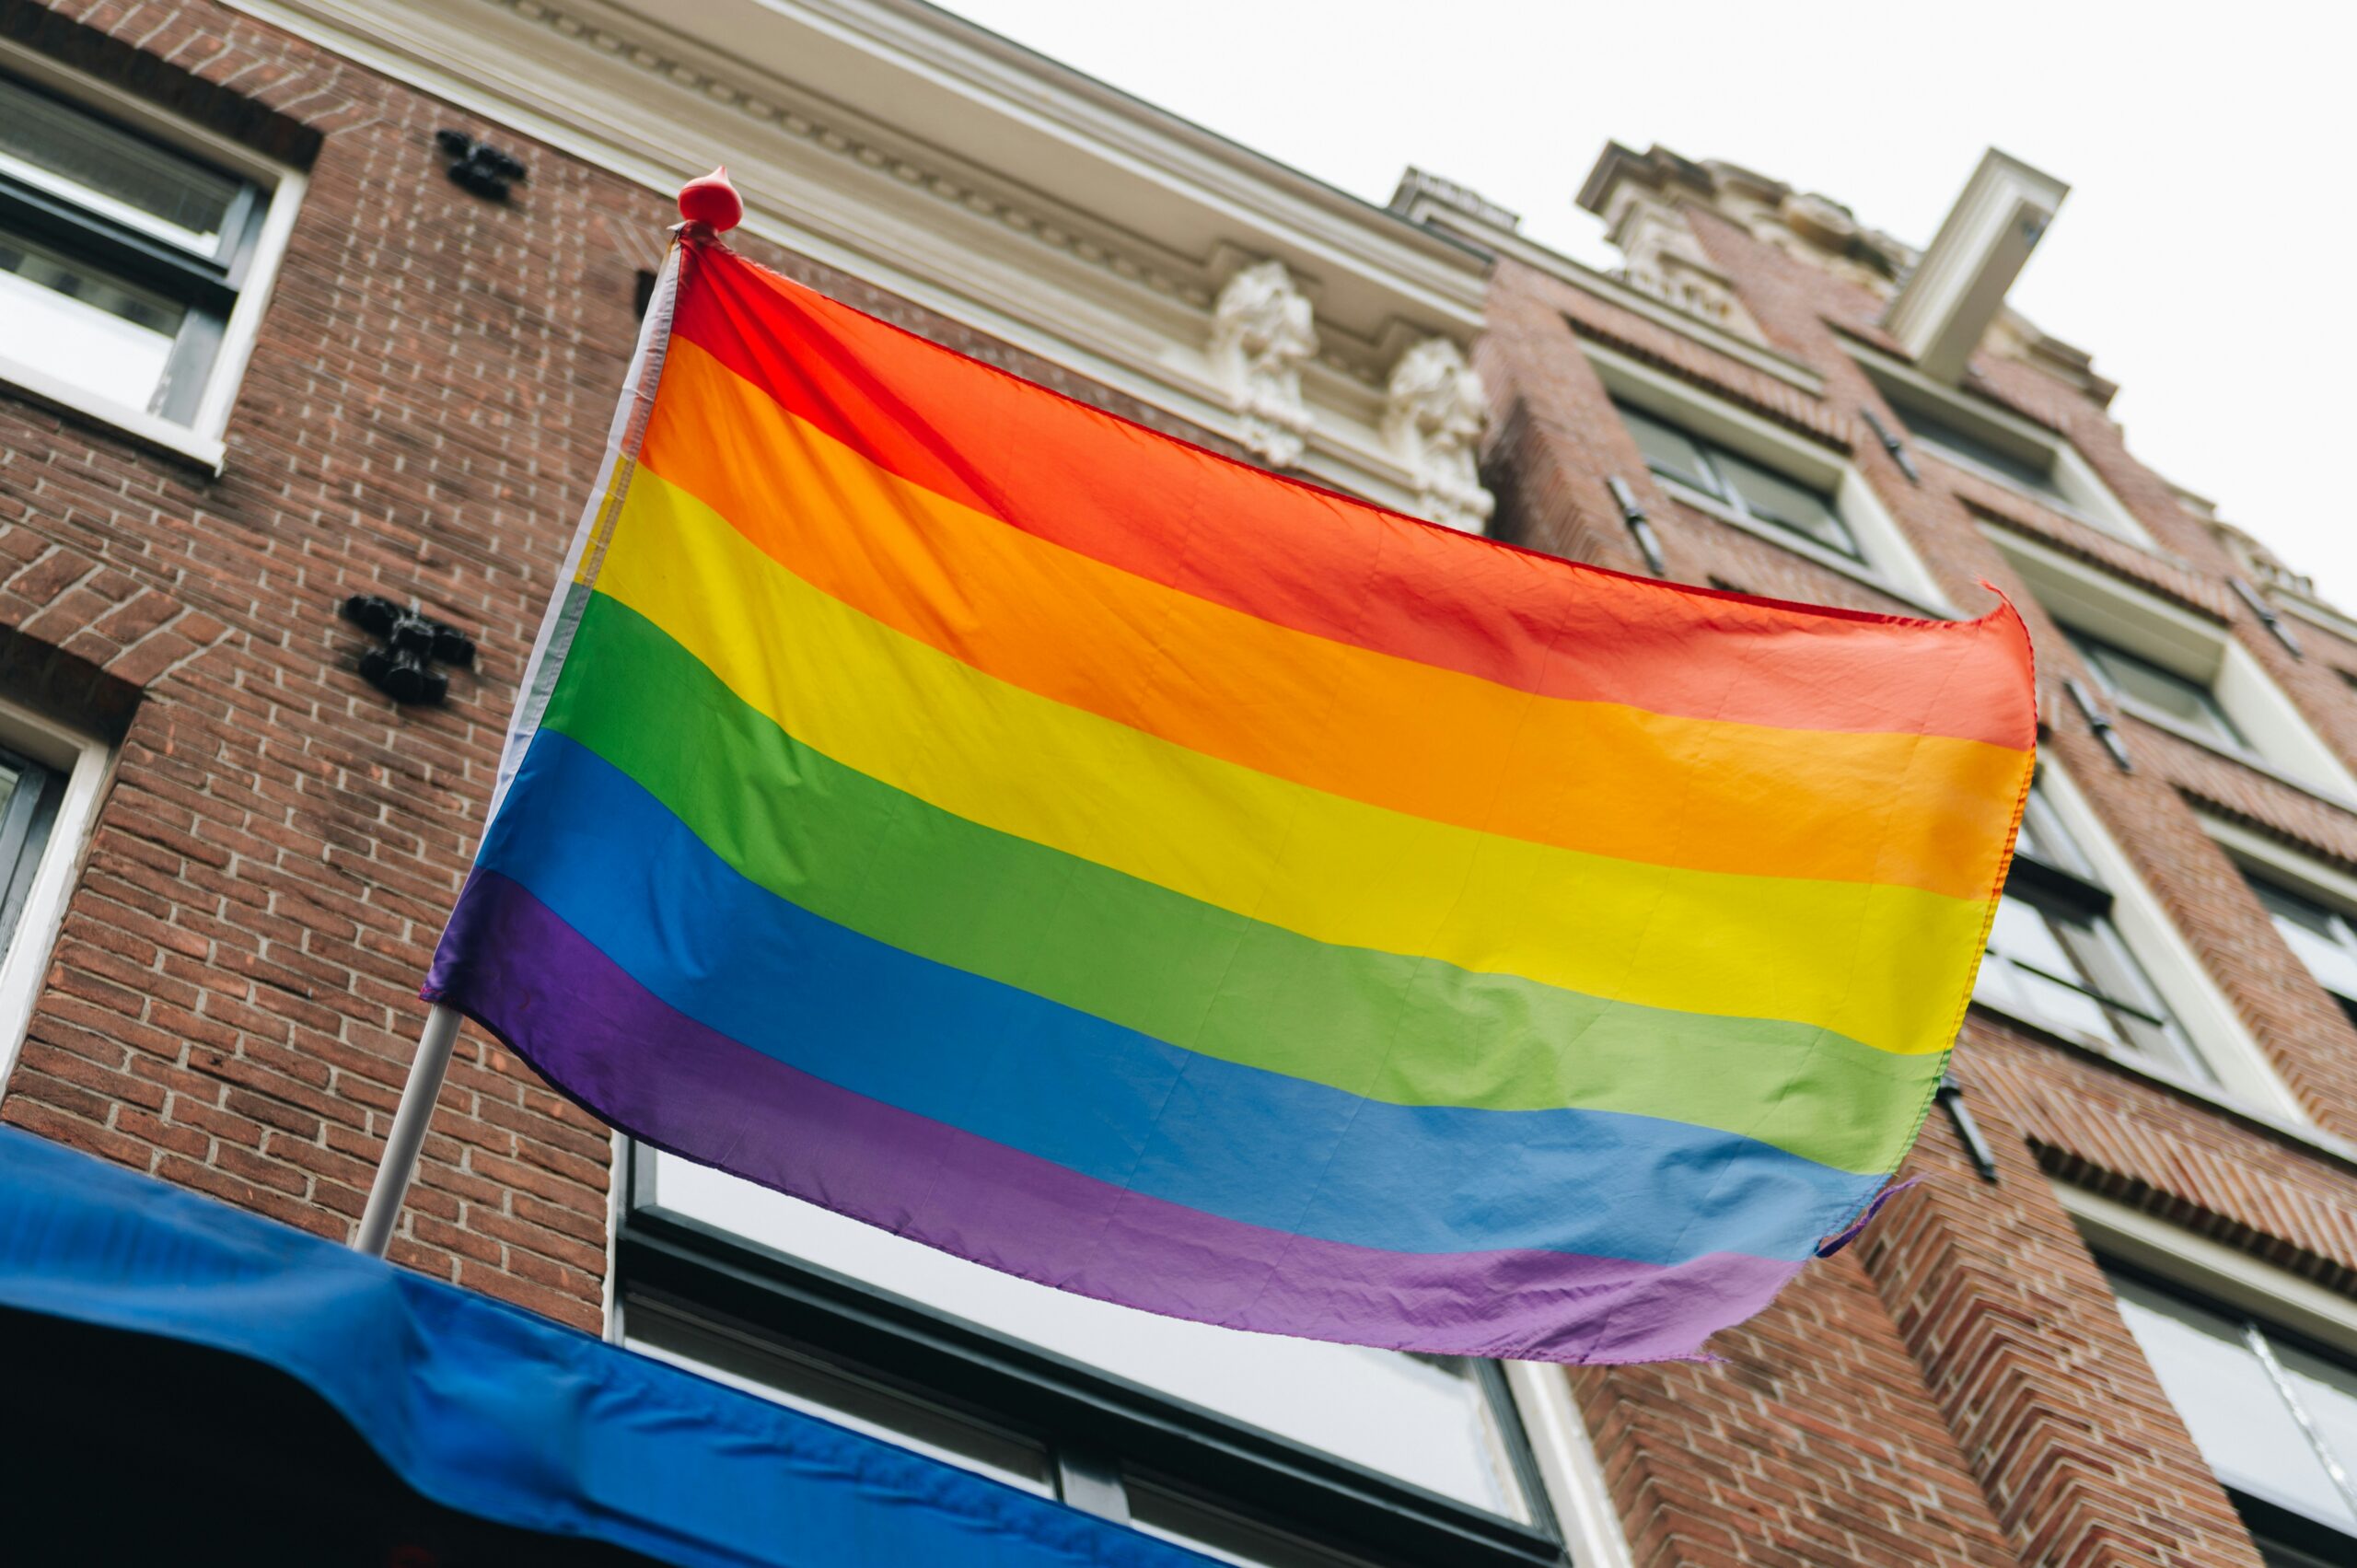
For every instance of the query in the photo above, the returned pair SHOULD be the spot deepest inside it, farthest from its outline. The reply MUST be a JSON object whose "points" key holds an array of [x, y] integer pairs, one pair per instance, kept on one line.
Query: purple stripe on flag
{"points": [[597, 1034]]}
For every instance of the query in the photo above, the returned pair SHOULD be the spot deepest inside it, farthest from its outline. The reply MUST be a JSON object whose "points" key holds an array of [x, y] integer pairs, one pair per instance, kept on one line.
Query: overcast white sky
{"points": [[2204, 256]]}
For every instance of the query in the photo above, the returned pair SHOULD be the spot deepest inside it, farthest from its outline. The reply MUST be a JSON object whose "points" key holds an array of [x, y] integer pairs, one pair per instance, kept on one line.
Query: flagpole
{"points": [[401, 1144], [707, 207]]}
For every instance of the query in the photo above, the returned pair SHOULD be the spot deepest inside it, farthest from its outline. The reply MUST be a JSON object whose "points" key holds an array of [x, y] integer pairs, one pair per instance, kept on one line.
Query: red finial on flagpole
{"points": [[712, 203]]}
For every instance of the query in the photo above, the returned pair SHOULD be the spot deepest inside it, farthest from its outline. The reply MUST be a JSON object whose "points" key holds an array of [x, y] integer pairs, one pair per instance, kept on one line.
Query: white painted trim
{"points": [[86, 760], [2328, 884], [1891, 565], [911, 149], [43, 386], [2272, 1295], [201, 440], [1567, 1462], [2247, 1078], [1958, 284], [1448, 219], [2315, 612]]}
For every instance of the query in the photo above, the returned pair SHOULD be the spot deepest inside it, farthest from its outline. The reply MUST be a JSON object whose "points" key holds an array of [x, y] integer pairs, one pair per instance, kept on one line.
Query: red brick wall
{"points": [[1972, 1346], [232, 1002]]}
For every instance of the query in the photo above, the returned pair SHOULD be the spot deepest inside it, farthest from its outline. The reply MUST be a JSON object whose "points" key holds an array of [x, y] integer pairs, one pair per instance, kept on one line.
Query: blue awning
{"points": [[486, 1409]]}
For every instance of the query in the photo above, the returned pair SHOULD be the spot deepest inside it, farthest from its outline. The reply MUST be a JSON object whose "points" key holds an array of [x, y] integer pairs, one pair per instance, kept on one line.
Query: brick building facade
{"points": [[404, 388]]}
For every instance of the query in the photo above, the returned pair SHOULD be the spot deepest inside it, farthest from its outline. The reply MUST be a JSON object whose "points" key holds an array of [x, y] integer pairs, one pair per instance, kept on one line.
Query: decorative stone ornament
{"points": [[1262, 336], [1434, 414]]}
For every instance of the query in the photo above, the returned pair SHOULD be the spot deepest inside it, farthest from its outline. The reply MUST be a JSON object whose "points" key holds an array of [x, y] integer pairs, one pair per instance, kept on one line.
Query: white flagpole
{"points": [[581, 562], [393, 1172]]}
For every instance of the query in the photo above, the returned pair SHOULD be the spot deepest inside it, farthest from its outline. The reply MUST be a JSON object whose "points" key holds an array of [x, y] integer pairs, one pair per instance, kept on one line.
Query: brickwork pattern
{"points": [[2013, 1366], [232, 999]]}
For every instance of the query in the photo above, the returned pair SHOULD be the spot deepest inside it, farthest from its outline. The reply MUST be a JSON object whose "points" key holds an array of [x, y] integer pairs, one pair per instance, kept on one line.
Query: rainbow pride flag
{"points": [[996, 821]]}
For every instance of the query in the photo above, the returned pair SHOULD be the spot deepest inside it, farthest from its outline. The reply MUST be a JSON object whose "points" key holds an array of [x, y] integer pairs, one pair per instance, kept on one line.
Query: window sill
{"points": [[2241, 757], [1803, 546], [2307, 1137], [155, 434]]}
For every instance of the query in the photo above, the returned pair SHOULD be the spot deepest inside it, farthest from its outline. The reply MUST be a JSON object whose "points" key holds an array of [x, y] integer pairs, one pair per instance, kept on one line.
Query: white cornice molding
{"points": [[1113, 275], [1500, 241]]}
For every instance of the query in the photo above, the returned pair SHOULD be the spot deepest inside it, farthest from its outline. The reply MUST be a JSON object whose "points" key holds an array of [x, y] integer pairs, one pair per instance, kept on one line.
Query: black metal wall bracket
{"points": [[2267, 616], [478, 166], [1894, 446], [1639, 527], [413, 642], [2101, 723], [1950, 1095]]}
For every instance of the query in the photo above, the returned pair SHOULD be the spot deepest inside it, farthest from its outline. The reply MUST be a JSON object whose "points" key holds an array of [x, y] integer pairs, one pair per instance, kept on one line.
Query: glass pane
{"points": [[2061, 1008], [2020, 931], [111, 171], [724, 1356], [102, 335], [2327, 1392], [1669, 452], [1426, 1422], [1222, 1536], [1950, 440], [1772, 498], [2043, 837], [2229, 1402], [2178, 696], [2322, 940]]}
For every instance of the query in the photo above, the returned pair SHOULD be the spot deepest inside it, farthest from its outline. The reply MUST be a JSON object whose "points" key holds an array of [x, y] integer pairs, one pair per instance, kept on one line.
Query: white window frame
{"points": [[2274, 862], [1571, 1476], [202, 439], [2084, 496], [2233, 1278], [2248, 1083], [1891, 565], [84, 760], [2282, 745]]}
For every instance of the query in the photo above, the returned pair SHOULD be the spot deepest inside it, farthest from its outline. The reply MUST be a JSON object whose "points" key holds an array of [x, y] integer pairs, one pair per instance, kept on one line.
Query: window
{"points": [[132, 267], [1998, 445], [2158, 689], [30, 795], [50, 782], [1958, 445], [2175, 669], [1739, 484], [2274, 1415], [2057, 959], [1254, 1448], [2320, 934]]}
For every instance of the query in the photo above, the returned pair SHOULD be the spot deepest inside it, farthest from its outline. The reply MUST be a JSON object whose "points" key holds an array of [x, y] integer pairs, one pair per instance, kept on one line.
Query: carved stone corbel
{"points": [[1262, 336], [1434, 414]]}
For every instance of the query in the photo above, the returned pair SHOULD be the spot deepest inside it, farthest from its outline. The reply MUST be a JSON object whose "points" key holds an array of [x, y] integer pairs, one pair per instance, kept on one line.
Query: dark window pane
{"points": [[1950, 440], [743, 1361], [1772, 498], [1670, 452], [111, 171], [2179, 697]]}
